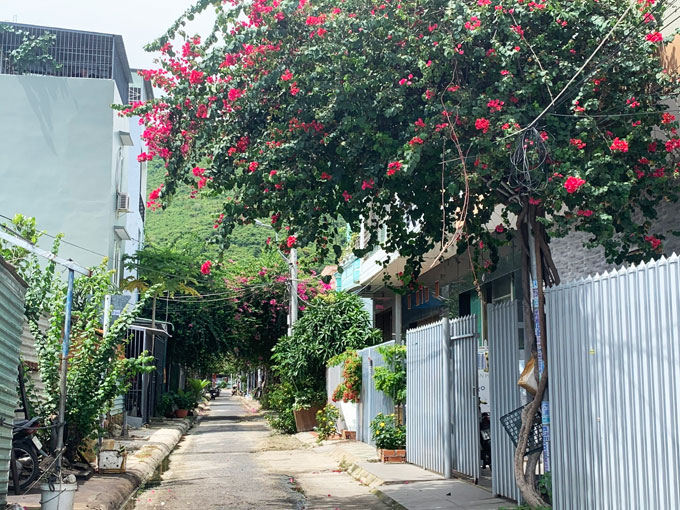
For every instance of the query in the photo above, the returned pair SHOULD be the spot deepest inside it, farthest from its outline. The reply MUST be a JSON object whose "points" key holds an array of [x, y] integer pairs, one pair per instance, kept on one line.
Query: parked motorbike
{"points": [[485, 439], [214, 392], [26, 449]]}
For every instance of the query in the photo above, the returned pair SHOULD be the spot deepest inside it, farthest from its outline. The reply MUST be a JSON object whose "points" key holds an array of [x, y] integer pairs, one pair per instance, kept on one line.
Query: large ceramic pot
{"points": [[350, 413]]}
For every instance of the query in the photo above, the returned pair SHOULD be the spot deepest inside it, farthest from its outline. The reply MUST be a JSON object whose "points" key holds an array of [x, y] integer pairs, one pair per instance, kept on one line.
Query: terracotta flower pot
{"points": [[181, 413], [305, 419]]}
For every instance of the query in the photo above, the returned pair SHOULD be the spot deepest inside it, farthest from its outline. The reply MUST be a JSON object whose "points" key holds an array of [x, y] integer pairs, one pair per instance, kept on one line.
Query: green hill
{"points": [[187, 223]]}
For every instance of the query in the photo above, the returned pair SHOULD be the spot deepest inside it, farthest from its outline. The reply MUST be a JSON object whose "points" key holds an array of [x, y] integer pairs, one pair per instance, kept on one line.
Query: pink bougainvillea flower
{"points": [[253, 166], [195, 77], [632, 103], [234, 94], [287, 75], [482, 125], [499, 228], [393, 167], [290, 242], [294, 89], [517, 29], [473, 24], [654, 37], [367, 184], [155, 193], [572, 184], [585, 212], [206, 267], [415, 140], [619, 145], [346, 195], [672, 144], [198, 171], [534, 201], [419, 123]]}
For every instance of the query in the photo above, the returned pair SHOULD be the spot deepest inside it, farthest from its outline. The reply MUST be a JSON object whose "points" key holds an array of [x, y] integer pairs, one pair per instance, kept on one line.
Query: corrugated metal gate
{"points": [[12, 289], [614, 358], [425, 397], [426, 394], [504, 331], [333, 379], [372, 401]]}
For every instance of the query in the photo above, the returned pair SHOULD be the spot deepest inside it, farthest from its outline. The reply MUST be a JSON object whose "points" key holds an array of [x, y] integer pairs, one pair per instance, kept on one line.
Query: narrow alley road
{"points": [[232, 461], [214, 466]]}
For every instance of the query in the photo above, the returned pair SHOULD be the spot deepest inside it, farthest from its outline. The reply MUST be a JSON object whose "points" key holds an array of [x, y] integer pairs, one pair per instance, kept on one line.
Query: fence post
{"points": [[446, 394]]}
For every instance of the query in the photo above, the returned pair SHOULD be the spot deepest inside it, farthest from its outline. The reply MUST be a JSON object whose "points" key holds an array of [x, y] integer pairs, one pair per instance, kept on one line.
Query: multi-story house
{"points": [[68, 159]]}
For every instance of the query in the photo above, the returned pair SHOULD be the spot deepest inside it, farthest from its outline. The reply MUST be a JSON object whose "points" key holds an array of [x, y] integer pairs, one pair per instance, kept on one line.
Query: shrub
{"points": [[349, 390], [167, 404], [280, 400], [391, 378], [326, 419], [386, 433]]}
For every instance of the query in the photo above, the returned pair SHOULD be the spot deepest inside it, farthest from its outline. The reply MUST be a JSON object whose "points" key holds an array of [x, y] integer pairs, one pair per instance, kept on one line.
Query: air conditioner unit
{"points": [[123, 203]]}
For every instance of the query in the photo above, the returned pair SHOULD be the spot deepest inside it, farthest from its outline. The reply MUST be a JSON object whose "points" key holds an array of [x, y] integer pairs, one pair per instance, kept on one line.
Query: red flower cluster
{"points": [[672, 144], [206, 267], [572, 184], [495, 105], [253, 166], [667, 118], [585, 212], [482, 125], [290, 242], [654, 241], [415, 140], [577, 142], [367, 184], [473, 24], [287, 75], [619, 145], [393, 167], [654, 37]]}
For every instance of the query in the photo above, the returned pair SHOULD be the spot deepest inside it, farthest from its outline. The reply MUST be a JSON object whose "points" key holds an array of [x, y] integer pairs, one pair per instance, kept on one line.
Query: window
{"points": [[134, 94], [408, 301], [436, 289], [418, 297]]}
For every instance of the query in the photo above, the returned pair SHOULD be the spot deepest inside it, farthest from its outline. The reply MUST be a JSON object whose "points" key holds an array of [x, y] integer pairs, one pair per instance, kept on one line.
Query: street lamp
{"points": [[292, 266]]}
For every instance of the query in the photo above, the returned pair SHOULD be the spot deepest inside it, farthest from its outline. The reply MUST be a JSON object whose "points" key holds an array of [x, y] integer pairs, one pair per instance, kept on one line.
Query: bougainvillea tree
{"points": [[425, 117]]}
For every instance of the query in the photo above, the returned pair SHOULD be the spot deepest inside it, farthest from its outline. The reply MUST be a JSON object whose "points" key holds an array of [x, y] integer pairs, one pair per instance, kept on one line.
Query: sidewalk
{"points": [[147, 448], [404, 486]]}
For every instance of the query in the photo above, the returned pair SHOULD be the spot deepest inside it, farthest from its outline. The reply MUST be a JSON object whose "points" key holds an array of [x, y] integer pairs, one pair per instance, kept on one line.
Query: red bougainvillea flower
{"points": [[619, 145], [415, 140], [155, 193], [325, 176], [667, 118], [367, 184], [495, 105], [577, 142], [198, 171], [346, 195], [294, 88], [672, 144], [654, 37], [253, 166], [632, 102], [393, 167], [517, 29], [287, 75], [585, 212], [499, 228], [654, 241], [572, 184], [234, 94], [206, 267], [195, 77], [482, 125], [290, 242], [534, 201], [419, 123]]}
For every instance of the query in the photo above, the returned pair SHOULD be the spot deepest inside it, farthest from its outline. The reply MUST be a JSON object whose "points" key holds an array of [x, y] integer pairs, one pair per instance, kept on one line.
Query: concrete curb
{"points": [[118, 490], [388, 500]]}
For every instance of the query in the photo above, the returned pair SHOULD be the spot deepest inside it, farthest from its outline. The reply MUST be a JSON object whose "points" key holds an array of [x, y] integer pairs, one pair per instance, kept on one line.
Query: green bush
{"points": [[391, 378], [280, 401], [167, 404], [386, 433], [326, 420]]}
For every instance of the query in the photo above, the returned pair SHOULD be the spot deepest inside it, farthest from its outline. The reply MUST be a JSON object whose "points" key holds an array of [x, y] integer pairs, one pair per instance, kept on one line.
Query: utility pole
{"points": [[292, 262]]}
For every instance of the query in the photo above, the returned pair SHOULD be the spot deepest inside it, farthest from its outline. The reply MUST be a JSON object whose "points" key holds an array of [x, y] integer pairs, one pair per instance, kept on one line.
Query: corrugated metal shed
{"points": [[29, 354], [12, 290]]}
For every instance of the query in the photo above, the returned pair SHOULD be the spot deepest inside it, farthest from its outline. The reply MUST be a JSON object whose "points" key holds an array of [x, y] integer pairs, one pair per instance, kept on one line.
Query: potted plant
{"points": [[390, 438], [348, 391], [185, 402], [307, 403], [167, 405]]}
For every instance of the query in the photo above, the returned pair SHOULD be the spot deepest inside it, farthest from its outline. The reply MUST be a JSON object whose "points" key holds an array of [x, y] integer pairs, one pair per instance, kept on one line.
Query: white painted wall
{"points": [[59, 143]]}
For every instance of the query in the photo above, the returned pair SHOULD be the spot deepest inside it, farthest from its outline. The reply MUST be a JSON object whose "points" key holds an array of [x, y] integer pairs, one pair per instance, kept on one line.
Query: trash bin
{"points": [[58, 496]]}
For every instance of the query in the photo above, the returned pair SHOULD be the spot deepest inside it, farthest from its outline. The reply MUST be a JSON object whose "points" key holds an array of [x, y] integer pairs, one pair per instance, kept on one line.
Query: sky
{"points": [[138, 21]]}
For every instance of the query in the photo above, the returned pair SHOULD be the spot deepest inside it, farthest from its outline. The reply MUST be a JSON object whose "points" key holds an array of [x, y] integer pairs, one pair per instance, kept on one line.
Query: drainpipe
{"points": [[446, 383]]}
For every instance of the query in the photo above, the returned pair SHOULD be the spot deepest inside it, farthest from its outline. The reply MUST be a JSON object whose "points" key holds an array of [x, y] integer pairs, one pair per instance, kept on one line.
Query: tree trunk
{"points": [[546, 275]]}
